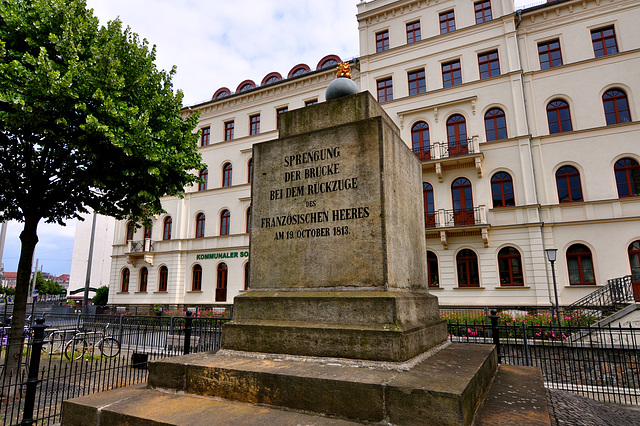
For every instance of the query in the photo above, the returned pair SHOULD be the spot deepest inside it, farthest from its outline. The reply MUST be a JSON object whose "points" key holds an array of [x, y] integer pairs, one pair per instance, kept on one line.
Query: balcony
{"points": [[457, 222], [441, 156], [142, 249]]}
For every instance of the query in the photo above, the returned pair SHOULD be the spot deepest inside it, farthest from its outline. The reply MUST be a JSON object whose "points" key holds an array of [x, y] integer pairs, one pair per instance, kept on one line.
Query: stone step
{"points": [[446, 388]]}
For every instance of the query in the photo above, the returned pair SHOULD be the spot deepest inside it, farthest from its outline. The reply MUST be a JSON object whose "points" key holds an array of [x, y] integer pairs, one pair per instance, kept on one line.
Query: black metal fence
{"points": [[84, 354], [600, 362]]}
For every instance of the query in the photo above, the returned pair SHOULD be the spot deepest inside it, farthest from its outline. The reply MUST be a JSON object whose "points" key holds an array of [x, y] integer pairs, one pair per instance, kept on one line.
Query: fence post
{"points": [[494, 332], [187, 333], [525, 344], [34, 366]]}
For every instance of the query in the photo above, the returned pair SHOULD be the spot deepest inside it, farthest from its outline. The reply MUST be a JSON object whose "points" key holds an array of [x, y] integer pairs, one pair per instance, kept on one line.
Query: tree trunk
{"points": [[29, 239]]}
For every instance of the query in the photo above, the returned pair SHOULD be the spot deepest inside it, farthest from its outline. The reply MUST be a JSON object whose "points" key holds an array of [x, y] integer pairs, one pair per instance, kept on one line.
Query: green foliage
{"points": [[47, 286], [9, 291], [102, 296], [86, 119]]}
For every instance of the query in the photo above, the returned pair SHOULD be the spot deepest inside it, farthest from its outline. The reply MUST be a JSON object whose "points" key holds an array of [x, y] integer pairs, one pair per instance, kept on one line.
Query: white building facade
{"points": [[526, 125]]}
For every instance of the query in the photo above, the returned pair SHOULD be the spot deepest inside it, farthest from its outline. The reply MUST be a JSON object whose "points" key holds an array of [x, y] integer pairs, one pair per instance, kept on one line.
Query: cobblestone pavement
{"points": [[569, 409]]}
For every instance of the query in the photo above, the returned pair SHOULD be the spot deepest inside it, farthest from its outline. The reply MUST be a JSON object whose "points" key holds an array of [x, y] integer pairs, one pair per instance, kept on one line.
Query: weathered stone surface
{"points": [[341, 87]]}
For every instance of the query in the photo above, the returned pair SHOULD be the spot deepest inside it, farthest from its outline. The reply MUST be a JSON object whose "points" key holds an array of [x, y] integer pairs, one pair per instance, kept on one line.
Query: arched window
{"points": [[502, 190], [457, 135], [616, 107], [462, 202], [204, 175], [124, 285], [166, 229], [248, 225], [131, 229], [163, 278], [420, 140], [558, 116], [200, 219], [144, 276], [467, 267], [627, 173], [246, 87], [510, 267], [634, 261], [196, 278], [299, 71], [568, 182], [429, 205], [272, 79], [146, 244], [580, 265], [246, 276], [432, 270], [225, 218], [250, 170], [226, 174], [221, 285], [495, 124]]}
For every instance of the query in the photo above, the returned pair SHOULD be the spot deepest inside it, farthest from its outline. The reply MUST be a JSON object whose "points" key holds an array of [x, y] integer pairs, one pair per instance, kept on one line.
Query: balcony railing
{"points": [[143, 246], [440, 150], [456, 217]]}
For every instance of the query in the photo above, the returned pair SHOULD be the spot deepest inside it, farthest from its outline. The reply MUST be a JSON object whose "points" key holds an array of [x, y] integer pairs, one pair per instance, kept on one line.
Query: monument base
{"points": [[368, 325], [445, 389]]}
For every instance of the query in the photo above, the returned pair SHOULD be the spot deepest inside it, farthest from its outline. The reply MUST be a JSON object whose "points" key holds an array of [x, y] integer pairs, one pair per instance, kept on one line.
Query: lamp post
{"points": [[551, 256]]}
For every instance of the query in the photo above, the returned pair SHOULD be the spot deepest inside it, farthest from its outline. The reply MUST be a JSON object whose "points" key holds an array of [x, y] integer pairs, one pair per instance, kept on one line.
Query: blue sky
{"points": [[214, 44]]}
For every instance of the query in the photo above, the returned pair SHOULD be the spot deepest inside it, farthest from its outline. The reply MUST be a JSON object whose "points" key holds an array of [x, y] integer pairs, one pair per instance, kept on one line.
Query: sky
{"points": [[213, 44]]}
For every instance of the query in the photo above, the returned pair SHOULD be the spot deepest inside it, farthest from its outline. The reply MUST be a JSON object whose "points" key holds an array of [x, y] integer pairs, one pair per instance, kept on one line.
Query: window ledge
{"points": [[512, 287], [122, 292], [435, 288], [194, 291], [468, 288], [583, 286], [137, 292], [160, 291]]}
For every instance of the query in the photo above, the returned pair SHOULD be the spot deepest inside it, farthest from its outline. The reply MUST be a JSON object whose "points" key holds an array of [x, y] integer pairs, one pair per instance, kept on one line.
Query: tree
{"points": [[87, 121], [102, 296]]}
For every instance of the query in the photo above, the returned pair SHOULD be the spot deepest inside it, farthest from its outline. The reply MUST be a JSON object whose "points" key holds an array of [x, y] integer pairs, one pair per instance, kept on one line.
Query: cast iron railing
{"points": [[606, 300]]}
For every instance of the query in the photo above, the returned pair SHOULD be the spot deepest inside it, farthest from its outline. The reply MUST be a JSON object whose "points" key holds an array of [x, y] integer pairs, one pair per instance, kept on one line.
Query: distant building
{"points": [[526, 124], [9, 279]]}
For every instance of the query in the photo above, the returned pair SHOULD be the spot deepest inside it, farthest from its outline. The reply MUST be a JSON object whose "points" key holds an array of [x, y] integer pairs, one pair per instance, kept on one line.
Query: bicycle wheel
{"points": [[109, 347], [53, 344], [75, 348]]}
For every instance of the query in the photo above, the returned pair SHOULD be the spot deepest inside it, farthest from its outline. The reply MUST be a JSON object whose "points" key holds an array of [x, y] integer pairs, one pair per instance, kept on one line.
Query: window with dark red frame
{"points": [[413, 32], [447, 22], [559, 117], [489, 64], [144, 276], [420, 140], [229, 128], [204, 174], [510, 267], [124, 285], [248, 224], [467, 267], [166, 230], [225, 218], [495, 124], [502, 190], [429, 205], [196, 278], [462, 196], [206, 134], [250, 170], [457, 136], [432, 269], [163, 278], [550, 54], [254, 124], [131, 229], [451, 74], [483, 11], [385, 90], [417, 82], [278, 112], [616, 107], [627, 171], [311, 102], [580, 265], [382, 41], [227, 175], [246, 276], [200, 222], [604, 41], [568, 183], [221, 286]]}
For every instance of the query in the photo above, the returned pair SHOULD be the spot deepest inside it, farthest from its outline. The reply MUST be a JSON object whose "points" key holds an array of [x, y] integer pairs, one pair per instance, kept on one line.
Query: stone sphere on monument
{"points": [[343, 85]]}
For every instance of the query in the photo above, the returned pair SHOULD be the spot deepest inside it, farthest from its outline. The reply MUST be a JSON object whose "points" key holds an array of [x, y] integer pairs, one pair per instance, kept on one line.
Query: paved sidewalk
{"points": [[569, 409]]}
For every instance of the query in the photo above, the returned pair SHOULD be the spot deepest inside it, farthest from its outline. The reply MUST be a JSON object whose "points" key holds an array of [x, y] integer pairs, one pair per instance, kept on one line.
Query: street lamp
{"points": [[551, 256]]}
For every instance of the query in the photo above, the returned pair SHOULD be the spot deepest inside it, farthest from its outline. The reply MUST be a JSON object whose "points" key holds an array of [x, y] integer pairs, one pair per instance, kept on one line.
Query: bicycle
{"points": [[54, 342], [82, 342]]}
